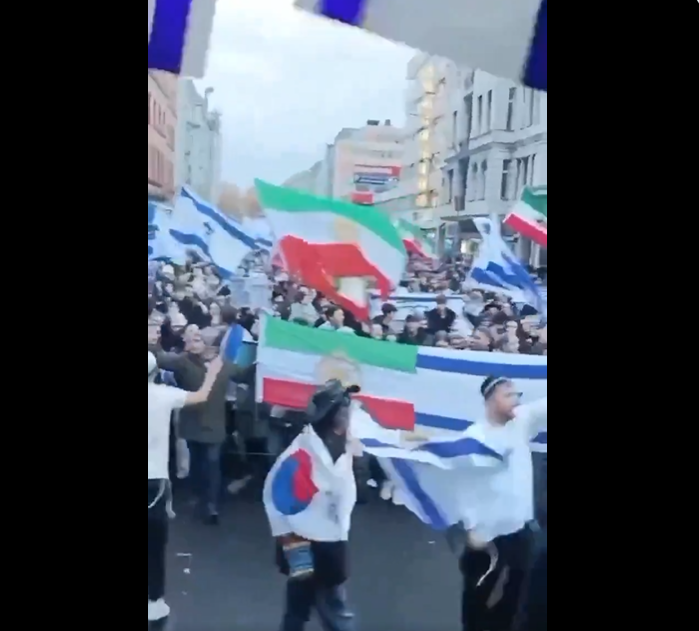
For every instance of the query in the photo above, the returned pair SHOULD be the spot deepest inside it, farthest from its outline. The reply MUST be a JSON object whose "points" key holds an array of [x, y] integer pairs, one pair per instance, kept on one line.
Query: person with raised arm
{"points": [[162, 402]]}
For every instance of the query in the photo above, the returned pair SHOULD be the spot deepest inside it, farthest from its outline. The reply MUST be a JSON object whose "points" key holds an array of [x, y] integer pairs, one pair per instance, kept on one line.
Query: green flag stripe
{"points": [[302, 339], [537, 198], [291, 201]]}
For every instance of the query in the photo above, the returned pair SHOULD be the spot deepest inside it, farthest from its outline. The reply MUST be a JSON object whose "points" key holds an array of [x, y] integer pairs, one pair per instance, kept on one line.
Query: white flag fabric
{"points": [[496, 268], [179, 32], [201, 227], [161, 244], [440, 480], [508, 38]]}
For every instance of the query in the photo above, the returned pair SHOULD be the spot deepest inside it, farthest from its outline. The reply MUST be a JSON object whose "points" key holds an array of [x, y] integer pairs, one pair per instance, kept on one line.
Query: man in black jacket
{"points": [[442, 318], [413, 334]]}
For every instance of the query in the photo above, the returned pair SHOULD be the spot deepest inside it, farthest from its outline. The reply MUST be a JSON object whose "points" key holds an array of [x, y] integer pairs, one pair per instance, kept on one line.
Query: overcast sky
{"points": [[287, 82]]}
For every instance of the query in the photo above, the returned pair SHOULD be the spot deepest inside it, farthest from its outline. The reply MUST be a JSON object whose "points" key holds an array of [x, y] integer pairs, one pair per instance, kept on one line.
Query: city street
{"points": [[224, 579]]}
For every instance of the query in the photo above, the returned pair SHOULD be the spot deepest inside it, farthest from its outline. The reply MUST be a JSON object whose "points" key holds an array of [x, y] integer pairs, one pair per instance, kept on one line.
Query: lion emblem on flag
{"points": [[339, 366]]}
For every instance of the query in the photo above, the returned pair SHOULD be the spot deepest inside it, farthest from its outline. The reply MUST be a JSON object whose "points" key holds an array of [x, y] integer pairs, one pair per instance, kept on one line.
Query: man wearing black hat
{"points": [[309, 497], [500, 509]]}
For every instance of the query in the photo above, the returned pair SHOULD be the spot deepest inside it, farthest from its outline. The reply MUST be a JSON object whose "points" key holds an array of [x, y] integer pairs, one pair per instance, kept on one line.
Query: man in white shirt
{"points": [[500, 508], [162, 402]]}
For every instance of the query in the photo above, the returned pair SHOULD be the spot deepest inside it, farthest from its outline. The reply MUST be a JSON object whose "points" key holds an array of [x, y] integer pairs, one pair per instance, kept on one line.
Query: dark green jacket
{"points": [[205, 423]]}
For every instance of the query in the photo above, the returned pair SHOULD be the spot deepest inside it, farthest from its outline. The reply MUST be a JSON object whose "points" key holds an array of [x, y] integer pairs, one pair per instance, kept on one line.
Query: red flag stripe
{"points": [[389, 413], [530, 229]]}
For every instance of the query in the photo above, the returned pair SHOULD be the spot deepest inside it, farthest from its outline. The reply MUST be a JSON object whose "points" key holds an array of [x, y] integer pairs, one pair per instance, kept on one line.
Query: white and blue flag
{"points": [[179, 32], [433, 478], [507, 38], [203, 228], [497, 269], [262, 232], [161, 244]]}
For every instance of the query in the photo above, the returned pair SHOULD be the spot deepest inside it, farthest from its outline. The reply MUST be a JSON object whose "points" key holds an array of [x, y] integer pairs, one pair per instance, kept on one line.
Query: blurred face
{"points": [[504, 401], [511, 347], [441, 341], [413, 327], [457, 341], [339, 317], [194, 343], [342, 421], [215, 310], [480, 341], [153, 335]]}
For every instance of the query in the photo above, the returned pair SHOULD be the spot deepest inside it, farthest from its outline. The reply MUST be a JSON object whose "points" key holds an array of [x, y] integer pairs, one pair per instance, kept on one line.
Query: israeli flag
{"points": [[497, 268], [262, 231], [440, 480], [178, 35], [161, 244], [507, 38], [199, 226]]}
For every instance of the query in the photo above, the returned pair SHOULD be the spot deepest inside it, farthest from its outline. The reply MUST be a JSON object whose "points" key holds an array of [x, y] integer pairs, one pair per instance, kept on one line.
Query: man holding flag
{"points": [[479, 484], [499, 541]]}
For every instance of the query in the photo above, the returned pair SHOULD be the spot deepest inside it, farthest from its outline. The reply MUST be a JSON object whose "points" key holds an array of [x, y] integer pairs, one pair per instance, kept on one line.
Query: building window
{"points": [[525, 171], [473, 188], [468, 111], [505, 181], [484, 179], [536, 115], [489, 112], [450, 187], [511, 110], [479, 128], [455, 129], [532, 107], [532, 171]]}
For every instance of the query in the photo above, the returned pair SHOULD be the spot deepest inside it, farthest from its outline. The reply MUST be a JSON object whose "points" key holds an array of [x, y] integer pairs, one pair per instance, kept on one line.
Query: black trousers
{"points": [[494, 604], [158, 527]]}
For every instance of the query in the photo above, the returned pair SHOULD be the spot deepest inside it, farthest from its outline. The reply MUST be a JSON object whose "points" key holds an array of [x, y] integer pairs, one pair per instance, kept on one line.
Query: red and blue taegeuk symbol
{"points": [[293, 488]]}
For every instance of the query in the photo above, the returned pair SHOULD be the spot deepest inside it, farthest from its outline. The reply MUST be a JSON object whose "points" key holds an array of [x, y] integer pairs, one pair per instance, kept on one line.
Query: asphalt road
{"points": [[224, 579]]}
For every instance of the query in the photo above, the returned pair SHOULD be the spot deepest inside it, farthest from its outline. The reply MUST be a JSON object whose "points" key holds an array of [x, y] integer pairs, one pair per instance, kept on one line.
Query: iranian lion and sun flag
{"points": [[410, 395], [335, 247]]}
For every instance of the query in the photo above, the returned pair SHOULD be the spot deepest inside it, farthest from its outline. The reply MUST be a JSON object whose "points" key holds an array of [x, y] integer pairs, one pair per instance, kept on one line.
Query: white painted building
{"points": [[473, 141], [198, 142], [501, 146]]}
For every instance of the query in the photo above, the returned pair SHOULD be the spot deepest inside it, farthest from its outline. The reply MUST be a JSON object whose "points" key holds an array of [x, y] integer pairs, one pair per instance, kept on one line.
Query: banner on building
{"points": [[370, 181]]}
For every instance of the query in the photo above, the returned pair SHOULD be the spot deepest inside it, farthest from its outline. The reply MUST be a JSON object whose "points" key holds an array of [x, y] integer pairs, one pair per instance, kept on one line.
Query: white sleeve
{"points": [[534, 417], [175, 397]]}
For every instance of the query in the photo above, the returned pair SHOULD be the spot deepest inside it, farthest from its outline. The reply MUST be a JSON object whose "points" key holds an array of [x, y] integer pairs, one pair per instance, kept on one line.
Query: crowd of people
{"points": [[197, 326], [194, 296]]}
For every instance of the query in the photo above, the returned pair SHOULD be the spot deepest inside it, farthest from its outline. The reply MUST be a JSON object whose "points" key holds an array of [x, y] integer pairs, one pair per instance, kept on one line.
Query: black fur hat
{"points": [[328, 400]]}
